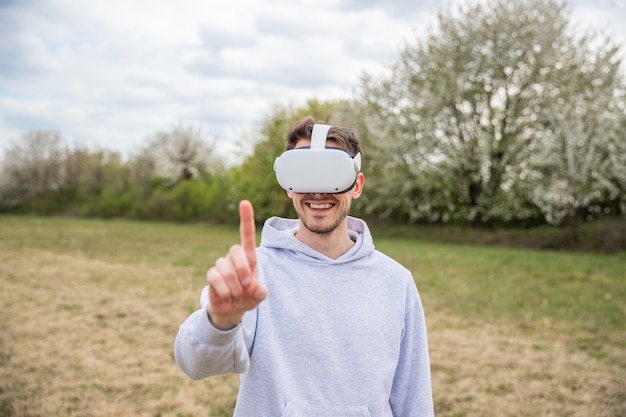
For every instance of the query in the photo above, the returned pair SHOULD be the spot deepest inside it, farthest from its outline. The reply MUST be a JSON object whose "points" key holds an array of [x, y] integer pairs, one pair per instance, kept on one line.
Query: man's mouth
{"points": [[325, 203], [319, 206]]}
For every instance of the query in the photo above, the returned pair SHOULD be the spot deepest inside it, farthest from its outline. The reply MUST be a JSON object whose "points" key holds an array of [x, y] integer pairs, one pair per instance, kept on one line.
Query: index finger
{"points": [[247, 231]]}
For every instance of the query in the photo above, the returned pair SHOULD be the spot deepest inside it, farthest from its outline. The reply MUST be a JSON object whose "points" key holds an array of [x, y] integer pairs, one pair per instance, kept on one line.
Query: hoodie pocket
{"points": [[298, 410]]}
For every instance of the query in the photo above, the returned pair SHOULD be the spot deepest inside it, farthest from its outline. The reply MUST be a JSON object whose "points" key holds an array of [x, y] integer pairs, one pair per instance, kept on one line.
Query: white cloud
{"points": [[109, 74]]}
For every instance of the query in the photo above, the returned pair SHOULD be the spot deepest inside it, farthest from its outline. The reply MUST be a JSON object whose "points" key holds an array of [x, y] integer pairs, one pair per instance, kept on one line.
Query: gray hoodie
{"points": [[343, 337]]}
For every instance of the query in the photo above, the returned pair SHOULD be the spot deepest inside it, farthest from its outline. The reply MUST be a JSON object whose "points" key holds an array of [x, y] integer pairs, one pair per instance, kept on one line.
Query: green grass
{"points": [[607, 235], [580, 293], [120, 240], [89, 310]]}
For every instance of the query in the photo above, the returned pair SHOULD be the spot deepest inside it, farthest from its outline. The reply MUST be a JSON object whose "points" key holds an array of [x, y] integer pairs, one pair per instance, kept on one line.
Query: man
{"points": [[316, 321]]}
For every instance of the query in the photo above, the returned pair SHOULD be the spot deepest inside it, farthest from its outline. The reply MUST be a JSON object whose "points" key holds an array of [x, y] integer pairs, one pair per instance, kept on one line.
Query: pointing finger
{"points": [[247, 231]]}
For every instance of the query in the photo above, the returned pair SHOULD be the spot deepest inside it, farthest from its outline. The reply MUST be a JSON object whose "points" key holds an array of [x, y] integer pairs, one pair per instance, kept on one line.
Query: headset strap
{"points": [[319, 135]]}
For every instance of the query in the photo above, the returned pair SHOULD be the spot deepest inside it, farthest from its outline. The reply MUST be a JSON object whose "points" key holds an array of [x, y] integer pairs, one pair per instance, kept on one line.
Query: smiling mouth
{"points": [[319, 206]]}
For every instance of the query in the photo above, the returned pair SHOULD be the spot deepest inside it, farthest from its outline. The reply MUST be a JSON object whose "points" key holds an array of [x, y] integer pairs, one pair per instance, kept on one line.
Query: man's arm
{"points": [[210, 341], [202, 350], [411, 394]]}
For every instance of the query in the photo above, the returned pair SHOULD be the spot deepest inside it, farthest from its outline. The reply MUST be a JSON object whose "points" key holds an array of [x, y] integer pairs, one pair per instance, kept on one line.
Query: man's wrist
{"points": [[223, 324]]}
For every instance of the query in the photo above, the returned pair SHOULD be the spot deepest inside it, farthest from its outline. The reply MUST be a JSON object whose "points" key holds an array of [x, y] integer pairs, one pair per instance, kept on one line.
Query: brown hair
{"points": [[346, 138]]}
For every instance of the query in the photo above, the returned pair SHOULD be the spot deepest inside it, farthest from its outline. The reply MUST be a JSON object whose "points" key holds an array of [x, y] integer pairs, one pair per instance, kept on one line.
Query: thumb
{"points": [[260, 294]]}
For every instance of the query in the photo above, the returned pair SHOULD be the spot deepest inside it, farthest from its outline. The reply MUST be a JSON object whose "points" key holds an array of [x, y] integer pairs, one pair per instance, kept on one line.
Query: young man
{"points": [[317, 322]]}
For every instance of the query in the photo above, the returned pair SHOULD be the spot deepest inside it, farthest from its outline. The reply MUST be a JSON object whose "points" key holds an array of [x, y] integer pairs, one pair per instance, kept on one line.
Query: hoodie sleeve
{"points": [[201, 350], [411, 394]]}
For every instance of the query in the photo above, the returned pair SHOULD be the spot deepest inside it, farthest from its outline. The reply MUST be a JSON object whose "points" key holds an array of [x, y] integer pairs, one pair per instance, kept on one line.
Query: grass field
{"points": [[89, 310]]}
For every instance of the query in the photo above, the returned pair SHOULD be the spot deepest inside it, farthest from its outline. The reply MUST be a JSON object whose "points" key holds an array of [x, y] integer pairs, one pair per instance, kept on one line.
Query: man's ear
{"points": [[358, 186], [289, 193]]}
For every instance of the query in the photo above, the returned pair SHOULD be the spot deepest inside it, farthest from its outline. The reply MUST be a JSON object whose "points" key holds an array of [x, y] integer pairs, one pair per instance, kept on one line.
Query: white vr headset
{"points": [[317, 169]]}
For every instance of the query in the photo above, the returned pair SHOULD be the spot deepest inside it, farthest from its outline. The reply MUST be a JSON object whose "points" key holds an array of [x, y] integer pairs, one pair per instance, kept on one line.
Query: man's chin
{"points": [[317, 225]]}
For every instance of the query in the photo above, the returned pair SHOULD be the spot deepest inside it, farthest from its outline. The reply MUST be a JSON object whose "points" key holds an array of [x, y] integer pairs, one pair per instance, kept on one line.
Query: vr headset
{"points": [[317, 168]]}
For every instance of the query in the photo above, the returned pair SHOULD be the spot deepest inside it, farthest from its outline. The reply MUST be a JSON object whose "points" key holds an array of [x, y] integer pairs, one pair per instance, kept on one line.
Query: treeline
{"points": [[175, 177], [503, 114], [178, 177]]}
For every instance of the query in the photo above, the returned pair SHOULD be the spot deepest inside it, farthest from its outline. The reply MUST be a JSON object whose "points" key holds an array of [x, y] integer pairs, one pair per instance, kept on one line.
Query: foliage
{"points": [[41, 175], [183, 153], [482, 120], [581, 157], [32, 169], [190, 200]]}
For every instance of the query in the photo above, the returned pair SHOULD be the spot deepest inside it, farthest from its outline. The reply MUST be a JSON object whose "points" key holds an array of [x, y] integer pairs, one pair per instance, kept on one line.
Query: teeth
{"points": [[320, 206]]}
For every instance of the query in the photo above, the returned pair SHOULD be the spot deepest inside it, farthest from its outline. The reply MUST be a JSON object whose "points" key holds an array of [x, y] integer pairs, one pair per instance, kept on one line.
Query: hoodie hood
{"points": [[279, 233]]}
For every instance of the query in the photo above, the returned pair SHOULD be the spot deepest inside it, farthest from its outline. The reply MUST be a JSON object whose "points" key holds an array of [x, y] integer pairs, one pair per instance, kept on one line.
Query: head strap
{"points": [[319, 135]]}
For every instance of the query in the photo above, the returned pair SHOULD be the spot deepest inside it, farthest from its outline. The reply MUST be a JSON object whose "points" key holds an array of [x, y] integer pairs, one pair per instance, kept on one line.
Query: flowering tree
{"points": [[483, 118]]}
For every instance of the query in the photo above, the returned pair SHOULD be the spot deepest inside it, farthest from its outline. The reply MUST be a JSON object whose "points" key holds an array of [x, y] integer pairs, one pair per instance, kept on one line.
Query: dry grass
{"points": [[89, 336], [499, 370], [85, 337]]}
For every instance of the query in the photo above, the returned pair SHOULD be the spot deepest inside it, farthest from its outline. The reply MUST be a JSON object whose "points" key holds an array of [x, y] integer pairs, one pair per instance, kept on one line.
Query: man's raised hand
{"points": [[233, 283]]}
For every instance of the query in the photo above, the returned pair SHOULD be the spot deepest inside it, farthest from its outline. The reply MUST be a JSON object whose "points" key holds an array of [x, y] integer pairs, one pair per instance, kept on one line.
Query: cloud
{"points": [[399, 9], [109, 74], [114, 72]]}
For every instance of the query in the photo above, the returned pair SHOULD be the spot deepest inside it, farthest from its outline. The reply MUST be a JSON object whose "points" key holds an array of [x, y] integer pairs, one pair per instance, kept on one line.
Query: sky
{"points": [[110, 74]]}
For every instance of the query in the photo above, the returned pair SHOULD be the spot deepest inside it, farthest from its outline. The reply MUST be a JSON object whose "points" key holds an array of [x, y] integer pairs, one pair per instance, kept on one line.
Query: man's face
{"points": [[323, 213]]}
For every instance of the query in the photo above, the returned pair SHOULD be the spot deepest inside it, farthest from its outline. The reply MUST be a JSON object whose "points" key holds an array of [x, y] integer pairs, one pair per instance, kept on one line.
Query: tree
{"points": [[582, 152], [32, 169], [472, 112], [183, 153]]}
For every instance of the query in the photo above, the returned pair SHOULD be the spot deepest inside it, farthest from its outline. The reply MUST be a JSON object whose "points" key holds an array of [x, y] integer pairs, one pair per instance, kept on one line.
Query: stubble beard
{"points": [[321, 228]]}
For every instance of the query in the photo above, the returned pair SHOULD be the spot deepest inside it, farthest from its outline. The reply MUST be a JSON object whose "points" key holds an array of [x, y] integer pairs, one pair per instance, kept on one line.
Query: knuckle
{"points": [[220, 261], [235, 250], [213, 277], [210, 274]]}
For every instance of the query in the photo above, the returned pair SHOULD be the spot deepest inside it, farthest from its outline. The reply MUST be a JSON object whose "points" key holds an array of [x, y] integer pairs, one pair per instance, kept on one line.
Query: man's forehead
{"points": [[307, 142]]}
